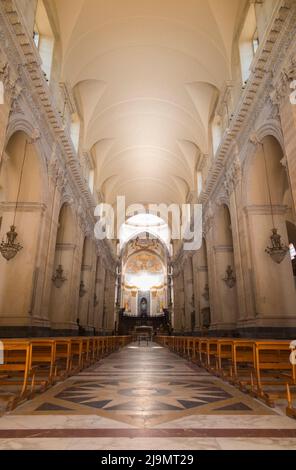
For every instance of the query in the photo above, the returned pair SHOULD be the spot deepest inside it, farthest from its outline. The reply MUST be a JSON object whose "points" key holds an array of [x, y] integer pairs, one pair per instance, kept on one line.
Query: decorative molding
{"points": [[270, 56], [32, 97], [223, 249], [23, 206], [265, 209]]}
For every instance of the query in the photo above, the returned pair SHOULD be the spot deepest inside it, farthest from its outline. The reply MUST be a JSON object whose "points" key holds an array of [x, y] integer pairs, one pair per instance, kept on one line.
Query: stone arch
{"points": [[23, 196], [62, 296], [21, 125], [266, 192], [226, 303]]}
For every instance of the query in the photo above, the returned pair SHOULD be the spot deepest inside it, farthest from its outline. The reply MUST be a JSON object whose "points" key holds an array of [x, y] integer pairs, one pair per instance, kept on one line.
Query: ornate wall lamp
{"points": [[96, 302], [206, 293], [58, 278], [230, 278], [82, 289], [9, 248]]}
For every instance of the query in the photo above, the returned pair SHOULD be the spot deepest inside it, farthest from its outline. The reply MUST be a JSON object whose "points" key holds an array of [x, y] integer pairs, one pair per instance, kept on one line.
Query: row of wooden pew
{"points": [[260, 367], [37, 363]]}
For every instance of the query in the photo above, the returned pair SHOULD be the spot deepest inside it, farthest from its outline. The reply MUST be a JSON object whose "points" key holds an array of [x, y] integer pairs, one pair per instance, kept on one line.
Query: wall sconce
{"points": [[58, 278], [206, 293], [82, 289], [95, 300], [230, 278]]}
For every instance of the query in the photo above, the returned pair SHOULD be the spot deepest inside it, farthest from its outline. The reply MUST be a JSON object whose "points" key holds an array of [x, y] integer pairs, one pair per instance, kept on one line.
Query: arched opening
{"points": [[75, 130], [224, 315], [269, 205], [248, 42], [144, 282], [217, 133], [62, 298], [22, 194], [44, 38]]}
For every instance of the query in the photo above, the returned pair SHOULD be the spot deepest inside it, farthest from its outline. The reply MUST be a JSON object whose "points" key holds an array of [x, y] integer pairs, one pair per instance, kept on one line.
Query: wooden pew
{"points": [[16, 373], [43, 360], [273, 370], [62, 357], [291, 398]]}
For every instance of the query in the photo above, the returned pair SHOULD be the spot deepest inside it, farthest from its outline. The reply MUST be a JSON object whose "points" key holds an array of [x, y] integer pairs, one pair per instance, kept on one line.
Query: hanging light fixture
{"points": [[278, 250], [10, 247]]}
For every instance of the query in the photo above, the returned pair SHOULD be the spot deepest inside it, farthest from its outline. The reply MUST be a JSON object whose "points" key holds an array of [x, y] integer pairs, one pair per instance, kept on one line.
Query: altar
{"points": [[143, 333]]}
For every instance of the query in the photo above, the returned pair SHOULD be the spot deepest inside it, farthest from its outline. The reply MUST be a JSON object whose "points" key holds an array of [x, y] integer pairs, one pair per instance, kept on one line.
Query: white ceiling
{"points": [[145, 74]]}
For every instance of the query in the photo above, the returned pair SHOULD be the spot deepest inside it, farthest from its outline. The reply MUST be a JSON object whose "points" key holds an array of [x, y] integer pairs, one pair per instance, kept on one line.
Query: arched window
{"points": [[91, 178], [43, 38], [216, 133], [248, 42], [75, 130]]}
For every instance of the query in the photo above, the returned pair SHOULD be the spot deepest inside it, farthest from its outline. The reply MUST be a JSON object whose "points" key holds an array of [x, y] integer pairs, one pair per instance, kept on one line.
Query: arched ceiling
{"points": [[146, 75]]}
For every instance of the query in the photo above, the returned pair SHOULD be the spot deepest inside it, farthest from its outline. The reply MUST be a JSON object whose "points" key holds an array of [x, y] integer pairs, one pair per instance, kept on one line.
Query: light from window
{"points": [[36, 36], [248, 43], [255, 42], [75, 131], [91, 177], [292, 251]]}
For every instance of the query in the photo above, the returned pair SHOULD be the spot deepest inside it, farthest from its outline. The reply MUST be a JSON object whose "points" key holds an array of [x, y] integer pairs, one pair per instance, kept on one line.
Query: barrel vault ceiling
{"points": [[146, 76]]}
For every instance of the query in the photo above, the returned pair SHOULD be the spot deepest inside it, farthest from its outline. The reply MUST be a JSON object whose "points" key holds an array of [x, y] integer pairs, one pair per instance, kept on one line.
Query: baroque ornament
{"points": [[58, 278], [230, 278]]}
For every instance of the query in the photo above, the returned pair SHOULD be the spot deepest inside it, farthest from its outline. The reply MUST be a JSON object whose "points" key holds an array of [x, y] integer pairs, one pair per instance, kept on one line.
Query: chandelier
{"points": [[10, 247], [278, 250]]}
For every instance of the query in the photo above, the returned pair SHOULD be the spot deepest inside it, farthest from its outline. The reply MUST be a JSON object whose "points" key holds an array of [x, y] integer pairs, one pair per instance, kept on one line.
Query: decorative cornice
{"points": [[31, 93], [265, 209], [23, 206], [270, 55]]}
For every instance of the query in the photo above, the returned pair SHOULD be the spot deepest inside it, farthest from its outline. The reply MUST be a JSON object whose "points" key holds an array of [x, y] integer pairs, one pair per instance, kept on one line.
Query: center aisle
{"points": [[145, 398]]}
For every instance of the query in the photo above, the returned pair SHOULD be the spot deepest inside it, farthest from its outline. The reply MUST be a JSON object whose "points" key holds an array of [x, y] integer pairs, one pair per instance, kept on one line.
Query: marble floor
{"points": [[145, 398]]}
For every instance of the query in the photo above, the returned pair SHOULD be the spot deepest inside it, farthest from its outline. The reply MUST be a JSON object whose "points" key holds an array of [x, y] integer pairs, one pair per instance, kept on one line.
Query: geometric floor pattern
{"points": [[144, 387], [145, 398]]}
